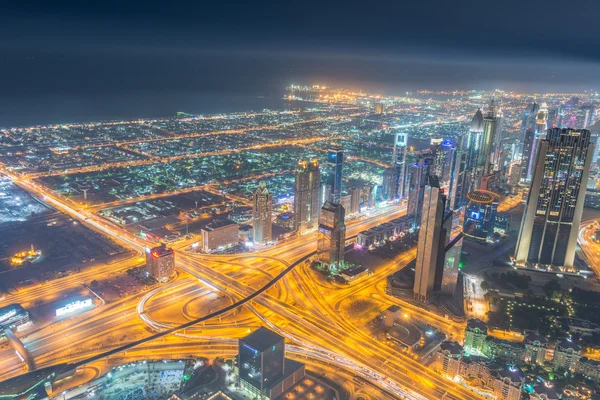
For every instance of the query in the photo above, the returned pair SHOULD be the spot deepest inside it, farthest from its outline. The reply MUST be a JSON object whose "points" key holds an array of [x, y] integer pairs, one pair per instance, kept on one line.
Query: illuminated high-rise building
{"points": [[262, 214], [160, 263], [550, 224], [335, 159], [442, 163], [527, 155], [378, 108], [332, 235], [586, 116], [459, 180], [484, 156], [388, 187], [419, 175], [497, 155], [263, 370], [430, 241], [528, 123], [307, 192], [399, 163]]}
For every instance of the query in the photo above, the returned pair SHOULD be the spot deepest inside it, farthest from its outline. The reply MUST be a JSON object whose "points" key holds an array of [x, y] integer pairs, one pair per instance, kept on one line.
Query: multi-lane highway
{"points": [[305, 311]]}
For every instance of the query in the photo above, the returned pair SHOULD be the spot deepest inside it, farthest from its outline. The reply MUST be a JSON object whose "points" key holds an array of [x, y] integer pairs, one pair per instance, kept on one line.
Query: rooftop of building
{"points": [[504, 343], [477, 122], [533, 336], [162, 250], [568, 344], [9, 308], [475, 323], [393, 308], [329, 206], [579, 323], [482, 196], [262, 339], [218, 224], [353, 271], [513, 373], [452, 347]]}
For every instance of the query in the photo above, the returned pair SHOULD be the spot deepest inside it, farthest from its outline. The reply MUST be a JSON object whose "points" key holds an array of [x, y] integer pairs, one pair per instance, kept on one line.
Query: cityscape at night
{"points": [[363, 219]]}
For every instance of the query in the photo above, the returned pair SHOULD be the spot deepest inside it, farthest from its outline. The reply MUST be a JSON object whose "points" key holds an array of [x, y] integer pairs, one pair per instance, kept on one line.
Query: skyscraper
{"points": [[399, 164], [497, 144], [261, 214], [264, 371], [528, 123], [428, 246], [388, 188], [586, 116], [335, 159], [459, 182], [419, 175], [160, 263], [527, 155], [332, 235], [484, 157], [442, 164], [307, 190], [550, 224]]}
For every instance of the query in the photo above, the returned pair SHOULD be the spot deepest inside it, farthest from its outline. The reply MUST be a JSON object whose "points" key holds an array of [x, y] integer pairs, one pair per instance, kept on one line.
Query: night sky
{"points": [[129, 53]]}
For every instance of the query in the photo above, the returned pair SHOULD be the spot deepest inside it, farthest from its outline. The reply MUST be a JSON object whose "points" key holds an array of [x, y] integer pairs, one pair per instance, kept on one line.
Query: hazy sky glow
{"points": [[64, 48]]}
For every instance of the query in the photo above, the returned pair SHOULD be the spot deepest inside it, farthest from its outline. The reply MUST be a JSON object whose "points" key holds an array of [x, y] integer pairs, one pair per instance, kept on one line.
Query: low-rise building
{"points": [[566, 355], [497, 380], [12, 316], [589, 368], [219, 234], [475, 334], [579, 326], [536, 347], [160, 263], [511, 352]]}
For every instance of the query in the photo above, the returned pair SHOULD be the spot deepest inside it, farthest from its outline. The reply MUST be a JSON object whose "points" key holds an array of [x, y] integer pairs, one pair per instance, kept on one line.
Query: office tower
{"points": [[378, 108], [261, 214], [419, 176], [219, 233], [307, 192], [475, 132], [586, 116], [480, 215], [552, 117], [160, 263], [388, 188], [550, 224], [497, 144], [459, 182], [515, 175], [354, 201], [527, 123], [332, 235], [527, 160], [264, 371], [595, 131], [560, 116], [368, 196], [335, 159], [442, 163], [399, 163], [484, 156], [428, 246]]}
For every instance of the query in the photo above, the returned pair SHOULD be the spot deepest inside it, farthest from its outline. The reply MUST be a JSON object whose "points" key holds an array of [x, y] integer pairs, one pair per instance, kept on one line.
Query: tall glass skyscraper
{"points": [[261, 214], [307, 202], [550, 224], [335, 158]]}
